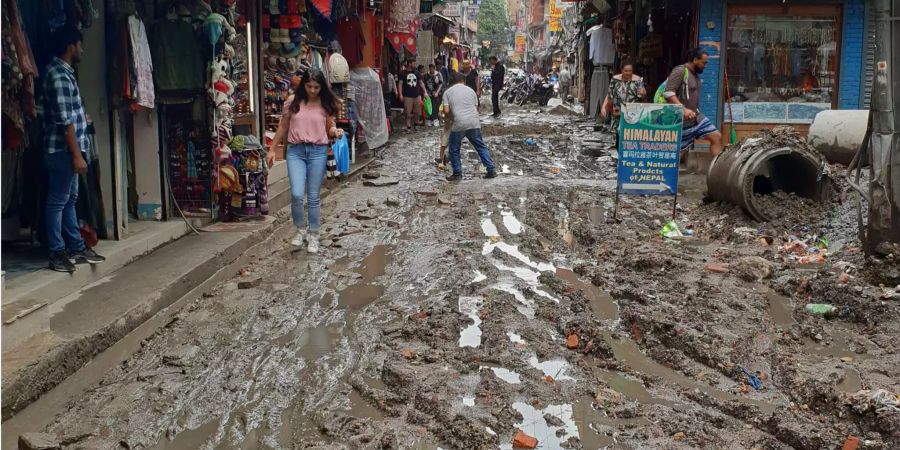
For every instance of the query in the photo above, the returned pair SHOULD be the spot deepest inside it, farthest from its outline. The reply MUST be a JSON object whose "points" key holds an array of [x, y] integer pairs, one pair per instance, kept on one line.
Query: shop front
{"points": [[166, 87], [781, 64]]}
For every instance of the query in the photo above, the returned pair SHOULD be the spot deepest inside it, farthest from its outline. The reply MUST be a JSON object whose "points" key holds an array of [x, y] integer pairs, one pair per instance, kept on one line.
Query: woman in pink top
{"points": [[308, 123]]}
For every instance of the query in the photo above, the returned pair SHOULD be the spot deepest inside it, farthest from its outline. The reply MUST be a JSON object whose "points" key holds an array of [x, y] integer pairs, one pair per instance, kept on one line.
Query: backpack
{"points": [[659, 98]]}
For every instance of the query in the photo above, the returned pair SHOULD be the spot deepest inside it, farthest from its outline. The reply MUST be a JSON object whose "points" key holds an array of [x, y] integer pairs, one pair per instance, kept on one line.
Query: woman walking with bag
{"points": [[624, 88], [309, 125]]}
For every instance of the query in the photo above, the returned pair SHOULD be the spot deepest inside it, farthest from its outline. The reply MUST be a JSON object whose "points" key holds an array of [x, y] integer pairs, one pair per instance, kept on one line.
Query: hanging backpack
{"points": [[659, 97]]}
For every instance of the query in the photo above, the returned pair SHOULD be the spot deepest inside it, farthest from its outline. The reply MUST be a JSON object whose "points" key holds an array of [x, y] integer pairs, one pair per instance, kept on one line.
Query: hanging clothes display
{"points": [[404, 16], [144, 94], [324, 7], [372, 49], [602, 51], [369, 102], [176, 55], [349, 34]]}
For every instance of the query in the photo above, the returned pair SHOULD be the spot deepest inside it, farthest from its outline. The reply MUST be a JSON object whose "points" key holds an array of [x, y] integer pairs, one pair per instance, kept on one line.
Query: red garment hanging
{"points": [[325, 7]]}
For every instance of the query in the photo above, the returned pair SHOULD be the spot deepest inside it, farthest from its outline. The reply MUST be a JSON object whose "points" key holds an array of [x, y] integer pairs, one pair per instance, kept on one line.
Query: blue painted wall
{"points": [[852, 51], [712, 40]]}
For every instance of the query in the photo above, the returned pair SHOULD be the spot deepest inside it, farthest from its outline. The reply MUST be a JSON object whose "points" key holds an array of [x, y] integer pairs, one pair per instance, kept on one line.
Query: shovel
{"points": [[732, 133]]}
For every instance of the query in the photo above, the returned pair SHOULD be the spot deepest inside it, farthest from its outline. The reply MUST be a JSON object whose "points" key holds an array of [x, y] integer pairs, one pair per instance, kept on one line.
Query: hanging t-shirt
{"points": [[601, 47], [349, 34], [144, 94], [178, 63], [410, 82]]}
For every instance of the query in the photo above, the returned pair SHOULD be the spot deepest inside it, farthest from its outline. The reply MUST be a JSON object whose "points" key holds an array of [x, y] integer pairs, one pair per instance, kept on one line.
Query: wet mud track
{"points": [[457, 315]]}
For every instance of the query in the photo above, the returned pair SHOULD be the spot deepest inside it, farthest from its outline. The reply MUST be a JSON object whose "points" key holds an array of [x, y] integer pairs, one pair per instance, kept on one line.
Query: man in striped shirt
{"points": [[66, 141]]}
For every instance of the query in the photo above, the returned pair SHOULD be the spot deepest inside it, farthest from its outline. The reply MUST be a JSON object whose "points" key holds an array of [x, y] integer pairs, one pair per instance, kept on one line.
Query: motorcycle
{"points": [[534, 88], [514, 86]]}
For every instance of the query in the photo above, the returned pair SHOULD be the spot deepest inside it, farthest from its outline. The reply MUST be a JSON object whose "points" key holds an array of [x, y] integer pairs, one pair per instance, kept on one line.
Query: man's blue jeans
{"points": [[474, 137], [63, 231], [306, 171]]}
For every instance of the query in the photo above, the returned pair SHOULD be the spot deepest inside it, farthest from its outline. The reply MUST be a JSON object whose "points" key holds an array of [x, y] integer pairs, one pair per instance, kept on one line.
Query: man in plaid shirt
{"points": [[66, 140]]}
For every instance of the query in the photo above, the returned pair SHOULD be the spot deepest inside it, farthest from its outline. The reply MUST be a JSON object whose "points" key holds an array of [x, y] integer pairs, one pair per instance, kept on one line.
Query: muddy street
{"points": [[459, 315]]}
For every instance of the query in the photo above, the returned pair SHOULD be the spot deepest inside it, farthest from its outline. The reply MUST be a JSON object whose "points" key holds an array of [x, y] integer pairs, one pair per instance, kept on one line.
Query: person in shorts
{"points": [[683, 87]]}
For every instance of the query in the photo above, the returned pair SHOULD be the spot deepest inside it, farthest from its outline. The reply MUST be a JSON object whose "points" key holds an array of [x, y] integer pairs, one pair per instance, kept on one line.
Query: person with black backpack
{"points": [[683, 87]]}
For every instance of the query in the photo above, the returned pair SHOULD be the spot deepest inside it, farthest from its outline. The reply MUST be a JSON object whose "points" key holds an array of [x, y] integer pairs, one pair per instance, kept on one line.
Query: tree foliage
{"points": [[493, 25]]}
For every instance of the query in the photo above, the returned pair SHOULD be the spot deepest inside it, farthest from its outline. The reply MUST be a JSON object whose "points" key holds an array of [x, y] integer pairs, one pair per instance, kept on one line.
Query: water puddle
{"points": [[360, 295], [488, 228], [504, 374], [632, 389], [374, 265], [549, 436], [510, 221], [602, 303], [365, 292], [562, 218], [851, 383], [840, 347], [584, 415], [319, 341], [188, 439], [471, 335], [556, 368], [597, 215], [513, 251], [479, 277], [515, 338], [780, 310], [629, 353], [527, 275], [361, 409], [525, 306]]}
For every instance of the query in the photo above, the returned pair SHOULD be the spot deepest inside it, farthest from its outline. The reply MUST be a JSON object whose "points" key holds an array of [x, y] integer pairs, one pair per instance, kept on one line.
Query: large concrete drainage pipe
{"points": [[765, 164], [837, 135]]}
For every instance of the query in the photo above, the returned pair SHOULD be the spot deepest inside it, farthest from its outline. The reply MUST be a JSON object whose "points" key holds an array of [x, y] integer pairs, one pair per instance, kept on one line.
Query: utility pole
{"points": [[884, 148]]}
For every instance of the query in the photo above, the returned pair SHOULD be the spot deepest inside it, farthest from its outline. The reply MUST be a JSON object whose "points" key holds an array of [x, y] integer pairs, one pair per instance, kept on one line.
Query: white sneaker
{"points": [[313, 247], [298, 239], [437, 123]]}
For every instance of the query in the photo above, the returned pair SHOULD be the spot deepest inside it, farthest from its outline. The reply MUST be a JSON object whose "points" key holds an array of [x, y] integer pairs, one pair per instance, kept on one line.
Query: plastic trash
{"points": [[671, 230], [530, 141], [821, 309], [752, 379]]}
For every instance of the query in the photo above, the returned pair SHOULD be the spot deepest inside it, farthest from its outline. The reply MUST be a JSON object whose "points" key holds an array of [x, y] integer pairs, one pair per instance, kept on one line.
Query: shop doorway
{"points": [[666, 31]]}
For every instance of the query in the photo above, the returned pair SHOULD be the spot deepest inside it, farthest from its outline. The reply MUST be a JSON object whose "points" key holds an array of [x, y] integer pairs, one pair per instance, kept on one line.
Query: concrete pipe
{"points": [[741, 174], [837, 135]]}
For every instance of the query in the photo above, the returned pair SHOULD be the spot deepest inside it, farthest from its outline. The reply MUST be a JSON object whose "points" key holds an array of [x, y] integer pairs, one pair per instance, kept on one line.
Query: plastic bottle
{"points": [[821, 309]]}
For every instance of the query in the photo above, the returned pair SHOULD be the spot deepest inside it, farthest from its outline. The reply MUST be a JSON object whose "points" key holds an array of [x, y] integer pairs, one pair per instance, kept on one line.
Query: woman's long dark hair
{"points": [[326, 96]]}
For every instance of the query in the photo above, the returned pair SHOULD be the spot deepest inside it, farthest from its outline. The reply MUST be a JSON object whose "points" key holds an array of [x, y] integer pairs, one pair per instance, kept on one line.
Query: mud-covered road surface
{"points": [[447, 316]]}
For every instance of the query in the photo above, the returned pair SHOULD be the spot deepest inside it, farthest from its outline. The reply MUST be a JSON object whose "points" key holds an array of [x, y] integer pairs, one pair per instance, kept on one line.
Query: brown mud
{"points": [[442, 316]]}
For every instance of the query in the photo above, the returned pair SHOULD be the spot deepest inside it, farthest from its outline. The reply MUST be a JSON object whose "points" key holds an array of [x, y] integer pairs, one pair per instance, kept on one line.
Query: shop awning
{"points": [[438, 17]]}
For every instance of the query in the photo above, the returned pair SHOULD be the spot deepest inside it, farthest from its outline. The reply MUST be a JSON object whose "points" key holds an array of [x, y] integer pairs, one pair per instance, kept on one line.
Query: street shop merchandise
{"points": [[243, 186], [190, 167], [780, 59]]}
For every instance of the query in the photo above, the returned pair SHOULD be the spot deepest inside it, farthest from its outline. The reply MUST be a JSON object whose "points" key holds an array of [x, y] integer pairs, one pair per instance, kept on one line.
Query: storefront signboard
{"points": [[520, 43], [649, 149], [553, 25], [451, 10]]}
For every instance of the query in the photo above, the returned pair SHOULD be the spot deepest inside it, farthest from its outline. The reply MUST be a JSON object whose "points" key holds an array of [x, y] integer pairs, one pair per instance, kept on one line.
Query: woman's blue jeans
{"points": [[306, 171]]}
